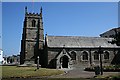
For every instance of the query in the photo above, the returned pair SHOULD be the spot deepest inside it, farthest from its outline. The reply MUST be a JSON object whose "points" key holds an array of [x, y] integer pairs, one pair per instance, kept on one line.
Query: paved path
{"points": [[80, 73]]}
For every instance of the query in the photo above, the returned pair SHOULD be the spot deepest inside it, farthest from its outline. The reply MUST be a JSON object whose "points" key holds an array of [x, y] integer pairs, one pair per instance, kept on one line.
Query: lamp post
{"points": [[100, 52]]}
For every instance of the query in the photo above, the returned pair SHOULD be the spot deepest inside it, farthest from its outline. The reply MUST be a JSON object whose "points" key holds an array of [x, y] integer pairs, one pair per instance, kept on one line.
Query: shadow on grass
{"points": [[113, 78], [52, 79]]}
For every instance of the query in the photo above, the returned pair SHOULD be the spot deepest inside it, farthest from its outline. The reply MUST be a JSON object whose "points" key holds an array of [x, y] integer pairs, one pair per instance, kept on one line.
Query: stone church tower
{"points": [[32, 38]]}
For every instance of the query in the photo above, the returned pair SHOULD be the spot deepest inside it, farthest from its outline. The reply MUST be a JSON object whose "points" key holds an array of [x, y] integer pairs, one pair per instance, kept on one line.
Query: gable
{"points": [[62, 53]]}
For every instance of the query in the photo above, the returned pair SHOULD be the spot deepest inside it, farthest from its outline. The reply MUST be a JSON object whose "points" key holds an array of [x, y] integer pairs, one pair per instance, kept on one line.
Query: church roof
{"points": [[78, 42]]}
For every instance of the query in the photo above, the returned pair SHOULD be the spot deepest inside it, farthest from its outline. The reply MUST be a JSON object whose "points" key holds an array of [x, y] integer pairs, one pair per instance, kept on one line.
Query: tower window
{"points": [[106, 55], [96, 55], [33, 23], [85, 55]]}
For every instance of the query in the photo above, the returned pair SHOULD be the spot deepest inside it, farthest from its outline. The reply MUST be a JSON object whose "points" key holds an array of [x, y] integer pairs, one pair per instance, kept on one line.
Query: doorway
{"points": [[64, 61]]}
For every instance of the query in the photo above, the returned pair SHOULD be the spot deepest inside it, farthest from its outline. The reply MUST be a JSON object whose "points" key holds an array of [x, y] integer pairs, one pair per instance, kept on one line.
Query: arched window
{"points": [[73, 55], [96, 55], [33, 23], [85, 55], [106, 55]]}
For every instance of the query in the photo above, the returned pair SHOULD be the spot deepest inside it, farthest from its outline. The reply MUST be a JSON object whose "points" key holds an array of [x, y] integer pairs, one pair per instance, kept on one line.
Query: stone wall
{"points": [[90, 61]]}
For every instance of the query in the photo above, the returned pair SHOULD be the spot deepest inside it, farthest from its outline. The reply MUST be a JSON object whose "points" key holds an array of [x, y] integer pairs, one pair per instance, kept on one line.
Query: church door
{"points": [[64, 62]]}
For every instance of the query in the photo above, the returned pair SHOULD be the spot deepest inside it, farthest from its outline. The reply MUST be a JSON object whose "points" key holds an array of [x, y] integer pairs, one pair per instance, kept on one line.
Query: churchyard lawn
{"points": [[27, 72], [14, 72]]}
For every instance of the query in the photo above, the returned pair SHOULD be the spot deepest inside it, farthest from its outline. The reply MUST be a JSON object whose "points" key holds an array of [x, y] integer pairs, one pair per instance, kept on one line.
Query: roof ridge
{"points": [[68, 36], [79, 37]]}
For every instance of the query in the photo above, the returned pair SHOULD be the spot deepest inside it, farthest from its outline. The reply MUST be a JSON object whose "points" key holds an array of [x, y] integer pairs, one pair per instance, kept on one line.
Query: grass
{"points": [[110, 77], [10, 72], [53, 79], [66, 79], [112, 66], [25, 72]]}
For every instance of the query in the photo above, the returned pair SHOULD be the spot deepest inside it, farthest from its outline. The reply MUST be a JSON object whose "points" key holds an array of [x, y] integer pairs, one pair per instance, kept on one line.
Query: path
{"points": [[80, 73]]}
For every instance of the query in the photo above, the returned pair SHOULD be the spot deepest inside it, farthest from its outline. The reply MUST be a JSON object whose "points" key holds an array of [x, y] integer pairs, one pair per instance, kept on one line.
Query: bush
{"points": [[111, 68]]}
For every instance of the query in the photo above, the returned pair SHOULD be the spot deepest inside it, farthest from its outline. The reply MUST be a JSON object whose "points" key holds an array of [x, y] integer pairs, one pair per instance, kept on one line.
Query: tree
{"points": [[116, 38], [116, 59]]}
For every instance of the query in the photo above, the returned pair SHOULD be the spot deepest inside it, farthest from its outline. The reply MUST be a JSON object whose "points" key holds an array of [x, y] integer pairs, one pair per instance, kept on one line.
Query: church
{"points": [[63, 51]]}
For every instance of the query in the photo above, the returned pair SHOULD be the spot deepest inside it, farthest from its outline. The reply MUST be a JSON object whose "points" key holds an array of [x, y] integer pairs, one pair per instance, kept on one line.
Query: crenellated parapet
{"points": [[35, 15], [32, 14], [29, 14]]}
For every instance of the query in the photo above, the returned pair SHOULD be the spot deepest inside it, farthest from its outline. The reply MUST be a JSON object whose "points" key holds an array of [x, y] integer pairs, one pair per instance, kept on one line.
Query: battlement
{"points": [[28, 14], [32, 14]]}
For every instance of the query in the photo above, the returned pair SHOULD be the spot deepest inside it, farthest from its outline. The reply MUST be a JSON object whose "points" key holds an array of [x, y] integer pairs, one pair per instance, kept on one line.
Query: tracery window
{"points": [[85, 55], [106, 55], [96, 55], [73, 55]]}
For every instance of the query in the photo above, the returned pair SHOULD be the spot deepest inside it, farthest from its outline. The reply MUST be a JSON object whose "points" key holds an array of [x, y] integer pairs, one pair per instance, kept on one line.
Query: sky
{"points": [[61, 0], [59, 19]]}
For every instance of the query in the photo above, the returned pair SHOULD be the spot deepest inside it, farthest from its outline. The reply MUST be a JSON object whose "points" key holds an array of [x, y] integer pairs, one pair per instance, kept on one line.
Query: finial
{"points": [[41, 10], [26, 9], [46, 34]]}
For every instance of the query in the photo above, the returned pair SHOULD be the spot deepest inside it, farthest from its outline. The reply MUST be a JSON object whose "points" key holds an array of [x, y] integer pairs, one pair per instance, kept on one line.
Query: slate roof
{"points": [[79, 42]]}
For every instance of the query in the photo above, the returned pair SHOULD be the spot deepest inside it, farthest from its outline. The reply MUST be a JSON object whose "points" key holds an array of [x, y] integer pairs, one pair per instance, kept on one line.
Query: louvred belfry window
{"points": [[33, 23]]}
